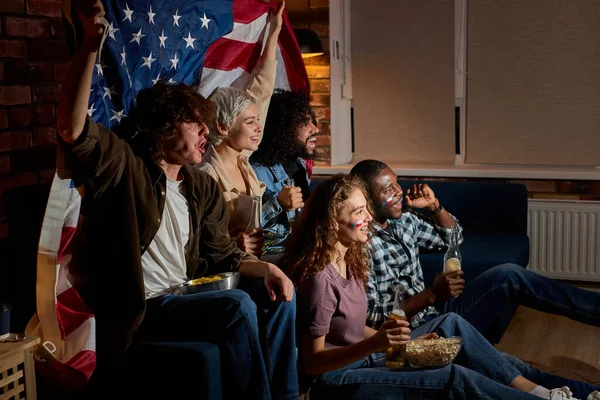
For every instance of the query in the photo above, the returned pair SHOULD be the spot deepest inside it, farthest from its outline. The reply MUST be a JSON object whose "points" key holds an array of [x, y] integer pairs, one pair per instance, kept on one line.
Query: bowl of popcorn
{"points": [[224, 281], [428, 353]]}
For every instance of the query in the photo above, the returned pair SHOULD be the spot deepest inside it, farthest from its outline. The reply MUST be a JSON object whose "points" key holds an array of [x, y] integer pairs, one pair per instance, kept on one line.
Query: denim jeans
{"points": [[478, 372], [486, 296], [256, 337]]}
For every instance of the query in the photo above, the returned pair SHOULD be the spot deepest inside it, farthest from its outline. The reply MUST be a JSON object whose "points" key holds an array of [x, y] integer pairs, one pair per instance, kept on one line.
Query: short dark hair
{"points": [[288, 112], [367, 171], [158, 112]]}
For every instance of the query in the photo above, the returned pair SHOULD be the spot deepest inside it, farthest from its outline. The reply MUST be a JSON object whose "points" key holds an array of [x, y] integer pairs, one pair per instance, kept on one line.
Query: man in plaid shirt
{"points": [[395, 247]]}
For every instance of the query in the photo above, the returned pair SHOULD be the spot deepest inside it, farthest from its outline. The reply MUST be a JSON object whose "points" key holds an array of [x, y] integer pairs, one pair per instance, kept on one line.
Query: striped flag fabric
{"points": [[207, 43]]}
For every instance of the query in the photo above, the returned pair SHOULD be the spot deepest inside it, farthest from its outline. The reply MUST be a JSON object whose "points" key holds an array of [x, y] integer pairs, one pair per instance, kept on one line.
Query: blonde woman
{"points": [[235, 133]]}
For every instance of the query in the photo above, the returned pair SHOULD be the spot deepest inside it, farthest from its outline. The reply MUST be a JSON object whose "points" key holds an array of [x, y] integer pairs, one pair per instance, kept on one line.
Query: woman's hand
{"points": [[392, 332], [251, 241], [277, 20]]}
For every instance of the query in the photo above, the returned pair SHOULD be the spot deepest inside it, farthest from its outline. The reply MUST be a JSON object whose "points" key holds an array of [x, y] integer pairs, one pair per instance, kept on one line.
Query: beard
{"points": [[301, 150]]}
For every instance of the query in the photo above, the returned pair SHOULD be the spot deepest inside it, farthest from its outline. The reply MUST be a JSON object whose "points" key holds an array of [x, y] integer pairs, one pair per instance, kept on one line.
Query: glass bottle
{"points": [[452, 258], [254, 222], [299, 209], [395, 356]]}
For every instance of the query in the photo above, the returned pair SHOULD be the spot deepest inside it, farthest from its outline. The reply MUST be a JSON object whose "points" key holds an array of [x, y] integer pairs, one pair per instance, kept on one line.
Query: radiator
{"points": [[565, 239]]}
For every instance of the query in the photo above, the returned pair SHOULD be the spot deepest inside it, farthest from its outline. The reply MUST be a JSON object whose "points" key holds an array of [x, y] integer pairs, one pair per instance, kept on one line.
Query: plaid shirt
{"points": [[395, 260]]}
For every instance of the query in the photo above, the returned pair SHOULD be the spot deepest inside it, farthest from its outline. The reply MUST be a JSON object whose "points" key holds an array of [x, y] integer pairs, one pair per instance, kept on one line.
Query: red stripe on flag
{"points": [[84, 361], [292, 58], [71, 311], [246, 11], [226, 54], [65, 238]]}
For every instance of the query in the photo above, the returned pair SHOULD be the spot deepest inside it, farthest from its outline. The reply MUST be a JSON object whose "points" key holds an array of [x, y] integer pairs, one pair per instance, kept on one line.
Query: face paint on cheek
{"points": [[388, 201], [358, 223]]}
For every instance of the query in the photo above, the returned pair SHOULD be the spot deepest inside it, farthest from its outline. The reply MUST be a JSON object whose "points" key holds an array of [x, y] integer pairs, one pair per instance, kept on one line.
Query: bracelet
{"points": [[437, 210]]}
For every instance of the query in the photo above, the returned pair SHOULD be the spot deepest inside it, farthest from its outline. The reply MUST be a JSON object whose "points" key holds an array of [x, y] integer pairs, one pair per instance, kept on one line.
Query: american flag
{"points": [[209, 43]]}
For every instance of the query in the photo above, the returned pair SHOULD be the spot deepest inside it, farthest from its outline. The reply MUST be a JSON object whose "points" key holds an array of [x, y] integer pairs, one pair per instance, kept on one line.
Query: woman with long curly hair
{"points": [[340, 357]]}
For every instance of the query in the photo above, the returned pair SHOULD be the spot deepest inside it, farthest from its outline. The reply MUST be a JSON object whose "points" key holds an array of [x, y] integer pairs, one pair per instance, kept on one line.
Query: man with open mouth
{"points": [[289, 138]]}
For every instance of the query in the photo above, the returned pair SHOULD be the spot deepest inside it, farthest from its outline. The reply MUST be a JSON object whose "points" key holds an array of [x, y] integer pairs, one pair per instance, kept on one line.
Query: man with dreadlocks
{"points": [[289, 137]]}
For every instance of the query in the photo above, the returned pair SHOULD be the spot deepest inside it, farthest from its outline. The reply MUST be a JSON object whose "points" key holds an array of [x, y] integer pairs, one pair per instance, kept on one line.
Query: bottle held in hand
{"points": [[395, 356], [453, 258]]}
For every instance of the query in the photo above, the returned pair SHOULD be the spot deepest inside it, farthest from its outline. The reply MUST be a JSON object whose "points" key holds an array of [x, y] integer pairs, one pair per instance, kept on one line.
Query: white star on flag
{"points": [[112, 30], [137, 37], [162, 39], [172, 82], [156, 79], [99, 69], [118, 115], [91, 110], [205, 22], [176, 18], [148, 61], [128, 13], [151, 16], [174, 62], [189, 41], [108, 92], [123, 57]]}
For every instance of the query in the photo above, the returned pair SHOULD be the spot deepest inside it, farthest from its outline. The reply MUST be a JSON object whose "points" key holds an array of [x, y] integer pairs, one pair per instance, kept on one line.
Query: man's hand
{"points": [[251, 241], [429, 336], [421, 196], [448, 285], [89, 12], [290, 198], [279, 286], [392, 332]]}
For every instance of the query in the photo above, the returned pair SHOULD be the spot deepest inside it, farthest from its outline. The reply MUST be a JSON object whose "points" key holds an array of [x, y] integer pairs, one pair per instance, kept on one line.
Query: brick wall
{"points": [[33, 60], [314, 14]]}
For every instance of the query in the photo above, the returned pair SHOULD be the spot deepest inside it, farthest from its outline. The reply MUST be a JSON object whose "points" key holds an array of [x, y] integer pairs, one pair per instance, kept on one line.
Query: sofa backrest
{"points": [[481, 207]]}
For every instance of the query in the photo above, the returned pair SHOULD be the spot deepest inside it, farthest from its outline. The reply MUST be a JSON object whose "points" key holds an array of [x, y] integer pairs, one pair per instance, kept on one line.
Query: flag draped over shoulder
{"points": [[204, 43]]}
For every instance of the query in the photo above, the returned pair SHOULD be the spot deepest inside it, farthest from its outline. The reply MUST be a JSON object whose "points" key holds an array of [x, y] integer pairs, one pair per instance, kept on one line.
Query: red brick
{"points": [[49, 50], [10, 182], [319, 3], [47, 176], [47, 8], [13, 48], [44, 114], [57, 28], [3, 119], [323, 154], [20, 71], [14, 140], [591, 187], [544, 186], [323, 140], [43, 135], [4, 164], [45, 93], [60, 71], [320, 86], [12, 95], [19, 116], [322, 113], [317, 71], [323, 59], [320, 100], [296, 5], [12, 6], [324, 128], [28, 27]]}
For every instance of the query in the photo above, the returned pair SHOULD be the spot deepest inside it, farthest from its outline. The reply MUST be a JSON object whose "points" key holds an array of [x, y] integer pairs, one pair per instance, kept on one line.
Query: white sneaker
{"points": [[595, 395], [563, 393]]}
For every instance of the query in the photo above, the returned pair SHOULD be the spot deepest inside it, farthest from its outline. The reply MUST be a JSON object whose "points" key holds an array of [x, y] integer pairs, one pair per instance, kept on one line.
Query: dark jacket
{"points": [[123, 203]]}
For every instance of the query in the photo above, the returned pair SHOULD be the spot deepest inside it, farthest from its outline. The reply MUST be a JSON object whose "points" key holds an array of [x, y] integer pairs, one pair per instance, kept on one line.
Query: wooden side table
{"points": [[17, 370]]}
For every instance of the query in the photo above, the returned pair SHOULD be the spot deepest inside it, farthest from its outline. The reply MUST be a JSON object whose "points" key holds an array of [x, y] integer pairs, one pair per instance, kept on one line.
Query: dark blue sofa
{"points": [[494, 219]]}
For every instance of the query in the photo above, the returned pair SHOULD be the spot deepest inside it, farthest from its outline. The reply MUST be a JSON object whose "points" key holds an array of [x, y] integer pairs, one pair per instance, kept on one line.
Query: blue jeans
{"points": [[256, 338], [478, 372], [486, 296]]}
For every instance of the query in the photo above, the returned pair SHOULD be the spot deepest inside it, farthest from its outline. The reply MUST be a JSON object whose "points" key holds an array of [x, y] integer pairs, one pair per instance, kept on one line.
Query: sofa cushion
{"points": [[480, 252]]}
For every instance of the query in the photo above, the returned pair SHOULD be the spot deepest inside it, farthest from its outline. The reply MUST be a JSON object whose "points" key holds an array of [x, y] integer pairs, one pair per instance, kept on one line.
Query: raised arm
{"points": [[75, 91]]}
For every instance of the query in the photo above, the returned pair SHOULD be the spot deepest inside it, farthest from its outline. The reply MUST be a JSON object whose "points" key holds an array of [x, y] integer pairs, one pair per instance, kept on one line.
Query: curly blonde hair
{"points": [[311, 245]]}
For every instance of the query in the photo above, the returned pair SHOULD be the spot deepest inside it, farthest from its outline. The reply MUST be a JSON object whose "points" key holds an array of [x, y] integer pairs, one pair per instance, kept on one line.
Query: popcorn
{"points": [[432, 352]]}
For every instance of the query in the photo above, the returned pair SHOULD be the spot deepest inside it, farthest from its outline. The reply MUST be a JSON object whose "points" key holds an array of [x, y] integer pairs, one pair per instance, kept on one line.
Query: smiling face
{"points": [[246, 130], [387, 195], [354, 220], [188, 146]]}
